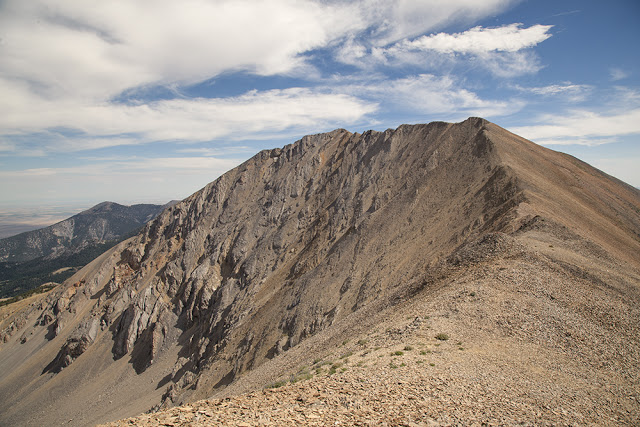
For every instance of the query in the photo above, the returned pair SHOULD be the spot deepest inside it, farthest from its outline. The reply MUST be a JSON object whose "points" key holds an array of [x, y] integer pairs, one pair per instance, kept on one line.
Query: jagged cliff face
{"points": [[295, 240]]}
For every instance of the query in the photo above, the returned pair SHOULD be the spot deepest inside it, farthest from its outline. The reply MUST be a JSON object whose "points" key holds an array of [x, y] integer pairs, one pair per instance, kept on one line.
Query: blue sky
{"points": [[140, 102]]}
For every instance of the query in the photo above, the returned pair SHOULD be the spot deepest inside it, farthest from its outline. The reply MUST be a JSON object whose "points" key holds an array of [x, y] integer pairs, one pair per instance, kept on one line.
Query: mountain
{"points": [[101, 223], [513, 268]]}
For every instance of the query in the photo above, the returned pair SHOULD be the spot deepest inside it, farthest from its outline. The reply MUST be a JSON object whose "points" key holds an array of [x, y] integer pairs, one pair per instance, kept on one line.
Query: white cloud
{"points": [[581, 127], [479, 40], [254, 115], [504, 51], [97, 49], [92, 49], [408, 18], [63, 64]]}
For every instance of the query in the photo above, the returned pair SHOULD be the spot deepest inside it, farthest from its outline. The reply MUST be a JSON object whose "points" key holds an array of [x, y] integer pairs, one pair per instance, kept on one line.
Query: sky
{"points": [[137, 101]]}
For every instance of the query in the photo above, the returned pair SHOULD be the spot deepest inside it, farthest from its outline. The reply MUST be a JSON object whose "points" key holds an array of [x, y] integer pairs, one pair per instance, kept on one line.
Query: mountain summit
{"points": [[342, 237]]}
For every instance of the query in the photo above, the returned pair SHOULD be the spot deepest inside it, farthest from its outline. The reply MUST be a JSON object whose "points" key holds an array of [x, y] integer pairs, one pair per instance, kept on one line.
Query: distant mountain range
{"points": [[52, 254], [104, 222]]}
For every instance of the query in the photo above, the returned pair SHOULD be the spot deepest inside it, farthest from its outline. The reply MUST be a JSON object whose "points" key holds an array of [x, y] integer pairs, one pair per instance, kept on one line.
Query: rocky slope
{"points": [[103, 222], [528, 257]]}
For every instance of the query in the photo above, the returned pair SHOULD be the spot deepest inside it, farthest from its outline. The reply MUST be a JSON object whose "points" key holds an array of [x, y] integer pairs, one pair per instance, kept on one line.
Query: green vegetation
{"points": [[277, 384], [442, 336], [16, 278], [344, 356], [301, 377], [39, 290], [408, 348], [397, 353]]}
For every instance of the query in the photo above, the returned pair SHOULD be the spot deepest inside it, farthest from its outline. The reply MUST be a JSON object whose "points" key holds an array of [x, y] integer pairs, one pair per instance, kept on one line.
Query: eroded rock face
{"points": [[241, 265], [282, 246], [76, 344]]}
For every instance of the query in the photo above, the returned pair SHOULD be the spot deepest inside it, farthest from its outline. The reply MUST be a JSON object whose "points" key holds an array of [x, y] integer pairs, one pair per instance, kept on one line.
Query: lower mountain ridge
{"points": [[44, 257], [432, 274], [103, 222]]}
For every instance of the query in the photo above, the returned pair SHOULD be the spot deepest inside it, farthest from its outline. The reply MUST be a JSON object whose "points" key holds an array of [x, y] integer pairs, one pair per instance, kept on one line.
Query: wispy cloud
{"points": [[617, 74], [502, 50], [434, 95], [479, 40], [569, 91], [581, 127], [254, 115], [64, 65]]}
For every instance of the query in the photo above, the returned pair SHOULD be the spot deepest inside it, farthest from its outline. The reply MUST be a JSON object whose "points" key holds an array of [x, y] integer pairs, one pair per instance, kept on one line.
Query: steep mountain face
{"points": [[103, 222], [300, 241]]}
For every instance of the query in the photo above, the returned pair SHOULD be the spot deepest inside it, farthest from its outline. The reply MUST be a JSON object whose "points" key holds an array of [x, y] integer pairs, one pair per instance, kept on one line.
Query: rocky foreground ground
{"points": [[423, 385], [460, 364]]}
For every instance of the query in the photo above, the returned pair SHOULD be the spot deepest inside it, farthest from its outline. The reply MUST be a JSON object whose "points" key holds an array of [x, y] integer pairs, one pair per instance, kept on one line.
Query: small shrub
{"points": [[397, 353], [277, 384], [432, 364], [362, 342], [442, 336], [422, 353], [408, 348]]}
